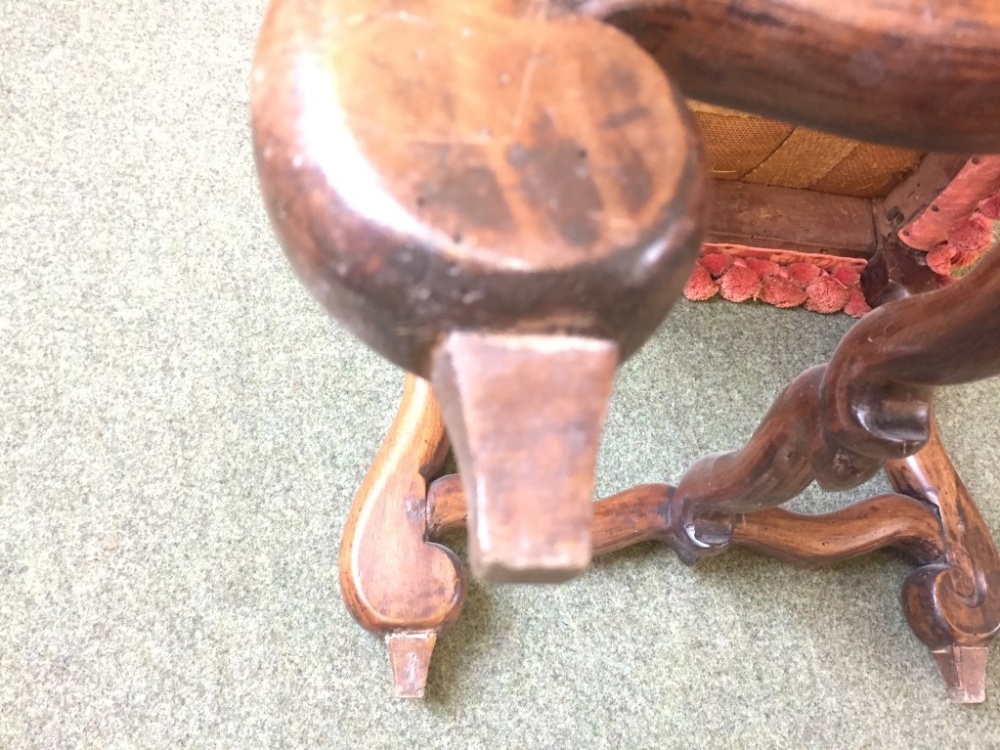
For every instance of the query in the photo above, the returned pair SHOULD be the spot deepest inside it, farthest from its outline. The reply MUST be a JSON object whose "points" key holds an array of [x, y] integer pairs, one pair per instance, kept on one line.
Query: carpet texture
{"points": [[182, 429]]}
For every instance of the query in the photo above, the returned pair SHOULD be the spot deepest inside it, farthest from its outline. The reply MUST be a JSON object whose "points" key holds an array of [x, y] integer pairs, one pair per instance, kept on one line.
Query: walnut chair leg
{"points": [[394, 583], [871, 407], [839, 424], [953, 605]]}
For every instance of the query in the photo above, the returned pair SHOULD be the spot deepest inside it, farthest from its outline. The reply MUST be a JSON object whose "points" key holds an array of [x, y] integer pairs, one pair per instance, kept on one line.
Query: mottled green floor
{"points": [[181, 430]]}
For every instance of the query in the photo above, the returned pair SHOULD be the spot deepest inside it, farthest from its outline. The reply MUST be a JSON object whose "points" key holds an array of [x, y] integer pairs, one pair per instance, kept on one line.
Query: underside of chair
{"points": [[759, 151], [797, 211]]}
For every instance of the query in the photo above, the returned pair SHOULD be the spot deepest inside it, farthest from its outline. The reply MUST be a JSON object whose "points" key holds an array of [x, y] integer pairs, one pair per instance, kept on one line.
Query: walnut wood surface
{"points": [[839, 423], [954, 604], [905, 72], [525, 415], [633, 516], [871, 406], [789, 219], [475, 189], [877, 389], [896, 272], [886, 521], [640, 514], [393, 582], [449, 165], [445, 173]]}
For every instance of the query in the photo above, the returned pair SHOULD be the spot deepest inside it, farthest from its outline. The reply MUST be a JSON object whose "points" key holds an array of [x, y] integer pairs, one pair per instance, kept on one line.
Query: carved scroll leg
{"points": [[784, 455], [953, 605], [394, 583]]}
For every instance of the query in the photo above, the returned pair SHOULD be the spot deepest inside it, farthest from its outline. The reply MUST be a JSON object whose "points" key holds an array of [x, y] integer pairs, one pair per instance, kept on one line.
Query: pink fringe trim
{"points": [[962, 222], [955, 231], [783, 278], [968, 239]]}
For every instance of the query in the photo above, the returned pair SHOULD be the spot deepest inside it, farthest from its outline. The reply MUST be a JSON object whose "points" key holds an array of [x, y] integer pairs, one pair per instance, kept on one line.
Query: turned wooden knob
{"points": [[503, 202]]}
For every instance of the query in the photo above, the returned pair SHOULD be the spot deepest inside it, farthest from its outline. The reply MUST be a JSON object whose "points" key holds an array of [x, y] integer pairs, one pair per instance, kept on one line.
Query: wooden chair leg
{"points": [[838, 424], [953, 605], [394, 583]]}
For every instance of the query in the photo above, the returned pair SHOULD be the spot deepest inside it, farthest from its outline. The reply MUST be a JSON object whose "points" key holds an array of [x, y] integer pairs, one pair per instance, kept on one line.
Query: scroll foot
{"points": [[394, 582], [953, 605]]}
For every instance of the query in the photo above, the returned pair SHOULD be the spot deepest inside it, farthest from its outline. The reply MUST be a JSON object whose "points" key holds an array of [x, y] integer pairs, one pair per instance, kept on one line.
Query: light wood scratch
{"points": [[387, 12], [540, 14]]}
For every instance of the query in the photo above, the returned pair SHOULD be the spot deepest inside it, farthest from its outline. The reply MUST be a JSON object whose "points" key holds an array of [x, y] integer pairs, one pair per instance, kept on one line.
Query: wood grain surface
{"points": [[901, 72], [393, 582]]}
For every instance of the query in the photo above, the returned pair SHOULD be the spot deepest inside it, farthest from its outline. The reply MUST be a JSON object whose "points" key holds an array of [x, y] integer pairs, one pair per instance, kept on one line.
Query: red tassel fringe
{"points": [[822, 283]]}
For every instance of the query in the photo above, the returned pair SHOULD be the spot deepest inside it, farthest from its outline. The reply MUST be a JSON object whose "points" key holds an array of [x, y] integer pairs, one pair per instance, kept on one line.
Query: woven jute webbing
{"points": [[753, 149]]}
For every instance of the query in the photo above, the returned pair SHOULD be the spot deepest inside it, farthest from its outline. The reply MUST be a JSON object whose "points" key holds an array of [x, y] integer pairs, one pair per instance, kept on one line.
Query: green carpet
{"points": [[182, 429]]}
